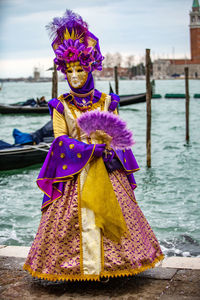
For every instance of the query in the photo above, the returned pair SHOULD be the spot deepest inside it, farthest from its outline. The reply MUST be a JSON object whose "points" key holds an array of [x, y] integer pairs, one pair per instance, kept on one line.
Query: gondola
{"points": [[31, 106], [129, 99], [19, 109], [132, 99], [23, 155]]}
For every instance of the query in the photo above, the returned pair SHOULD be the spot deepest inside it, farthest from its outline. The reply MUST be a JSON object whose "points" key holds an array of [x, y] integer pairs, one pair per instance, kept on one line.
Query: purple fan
{"points": [[111, 125]]}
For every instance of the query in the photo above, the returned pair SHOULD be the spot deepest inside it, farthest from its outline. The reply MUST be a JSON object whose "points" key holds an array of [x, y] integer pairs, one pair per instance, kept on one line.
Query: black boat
{"points": [[129, 99], [132, 99], [24, 109], [31, 106], [17, 109], [23, 155]]}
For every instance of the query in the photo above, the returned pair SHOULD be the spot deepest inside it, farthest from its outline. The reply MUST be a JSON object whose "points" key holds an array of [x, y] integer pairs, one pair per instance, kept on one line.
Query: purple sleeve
{"points": [[127, 160], [114, 102], [66, 158], [129, 164], [55, 103]]}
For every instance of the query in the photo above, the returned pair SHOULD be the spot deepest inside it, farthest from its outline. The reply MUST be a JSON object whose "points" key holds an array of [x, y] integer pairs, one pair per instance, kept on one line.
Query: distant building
{"points": [[108, 72], [123, 72], [36, 74], [164, 68]]}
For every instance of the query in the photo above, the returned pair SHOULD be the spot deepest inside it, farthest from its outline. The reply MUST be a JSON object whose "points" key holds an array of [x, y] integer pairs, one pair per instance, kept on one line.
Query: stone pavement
{"points": [[173, 283]]}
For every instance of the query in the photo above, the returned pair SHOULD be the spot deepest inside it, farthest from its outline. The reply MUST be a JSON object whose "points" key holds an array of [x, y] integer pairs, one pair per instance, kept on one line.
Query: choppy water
{"points": [[168, 193]]}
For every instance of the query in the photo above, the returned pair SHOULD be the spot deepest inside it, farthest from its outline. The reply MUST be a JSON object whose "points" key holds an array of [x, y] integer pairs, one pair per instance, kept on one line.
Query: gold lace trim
{"points": [[102, 253], [52, 277]]}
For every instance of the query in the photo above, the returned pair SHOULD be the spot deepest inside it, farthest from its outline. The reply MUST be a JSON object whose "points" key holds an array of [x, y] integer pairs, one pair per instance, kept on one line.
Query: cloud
{"points": [[127, 26], [13, 68]]}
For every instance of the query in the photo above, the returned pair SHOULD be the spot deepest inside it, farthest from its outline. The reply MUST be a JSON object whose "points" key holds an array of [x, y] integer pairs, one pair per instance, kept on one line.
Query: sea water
{"points": [[168, 192]]}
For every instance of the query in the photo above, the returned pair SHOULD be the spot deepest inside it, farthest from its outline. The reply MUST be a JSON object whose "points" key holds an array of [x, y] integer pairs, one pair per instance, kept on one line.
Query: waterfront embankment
{"points": [[175, 278]]}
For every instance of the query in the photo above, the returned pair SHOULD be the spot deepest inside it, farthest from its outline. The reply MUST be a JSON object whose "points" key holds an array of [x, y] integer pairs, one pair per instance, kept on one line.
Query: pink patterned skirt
{"points": [[56, 252]]}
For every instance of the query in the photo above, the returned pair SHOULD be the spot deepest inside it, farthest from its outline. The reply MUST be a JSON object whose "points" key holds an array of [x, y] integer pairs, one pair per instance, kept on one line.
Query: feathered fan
{"points": [[105, 127]]}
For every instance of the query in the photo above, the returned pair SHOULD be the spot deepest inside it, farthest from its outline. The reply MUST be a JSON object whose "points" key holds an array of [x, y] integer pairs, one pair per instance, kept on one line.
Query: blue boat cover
{"points": [[21, 137], [4, 145]]}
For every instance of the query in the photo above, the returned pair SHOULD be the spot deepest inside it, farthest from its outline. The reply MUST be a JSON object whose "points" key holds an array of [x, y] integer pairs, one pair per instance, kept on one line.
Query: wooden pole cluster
{"points": [[148, 107], [187, 101], [116, 80], [54, 82]]}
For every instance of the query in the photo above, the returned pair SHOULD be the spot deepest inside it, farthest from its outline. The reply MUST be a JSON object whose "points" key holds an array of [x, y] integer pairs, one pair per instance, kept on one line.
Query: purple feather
{"points": [[70, 20], [111, 124]]}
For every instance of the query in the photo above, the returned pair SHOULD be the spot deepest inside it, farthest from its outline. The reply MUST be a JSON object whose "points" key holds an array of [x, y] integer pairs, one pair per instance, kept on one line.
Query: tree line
{"points": [[116, 59]]}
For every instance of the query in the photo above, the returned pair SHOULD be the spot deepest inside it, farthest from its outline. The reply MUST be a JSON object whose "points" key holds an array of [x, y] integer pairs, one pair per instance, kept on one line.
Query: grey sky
{"points": [[125, 26]]}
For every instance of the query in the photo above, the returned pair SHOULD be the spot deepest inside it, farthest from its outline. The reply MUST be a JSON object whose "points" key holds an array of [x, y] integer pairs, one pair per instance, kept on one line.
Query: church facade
{"points": [[165, 68]]}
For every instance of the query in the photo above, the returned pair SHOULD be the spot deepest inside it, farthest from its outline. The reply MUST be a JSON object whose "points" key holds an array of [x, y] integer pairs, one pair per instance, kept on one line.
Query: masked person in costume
{"points": [[91, 225]]}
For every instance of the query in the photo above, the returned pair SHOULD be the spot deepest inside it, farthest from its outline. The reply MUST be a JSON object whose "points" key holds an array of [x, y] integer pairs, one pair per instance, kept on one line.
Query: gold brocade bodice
{"points": [[66, 124]]}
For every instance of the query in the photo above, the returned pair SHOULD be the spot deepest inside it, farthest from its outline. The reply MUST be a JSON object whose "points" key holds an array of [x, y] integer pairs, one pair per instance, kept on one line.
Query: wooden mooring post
{"points": [[148, 107], [187, 102], [54, 82], [116, 80]]}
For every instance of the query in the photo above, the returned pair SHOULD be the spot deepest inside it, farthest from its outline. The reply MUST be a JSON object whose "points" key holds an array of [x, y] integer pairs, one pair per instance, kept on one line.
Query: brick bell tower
{"points": [[195, 31]]}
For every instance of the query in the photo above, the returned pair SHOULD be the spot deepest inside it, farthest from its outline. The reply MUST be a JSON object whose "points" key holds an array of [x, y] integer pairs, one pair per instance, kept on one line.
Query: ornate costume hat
{"points": [[73, 43]]}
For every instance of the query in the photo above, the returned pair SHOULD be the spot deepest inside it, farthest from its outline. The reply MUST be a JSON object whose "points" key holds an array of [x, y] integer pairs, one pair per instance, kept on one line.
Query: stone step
{"points": [[174, 262], [14, 251]]}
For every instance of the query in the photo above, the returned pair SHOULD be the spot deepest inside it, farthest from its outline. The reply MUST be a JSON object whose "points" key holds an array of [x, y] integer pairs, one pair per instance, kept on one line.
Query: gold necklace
{"points": [[82, 95]]}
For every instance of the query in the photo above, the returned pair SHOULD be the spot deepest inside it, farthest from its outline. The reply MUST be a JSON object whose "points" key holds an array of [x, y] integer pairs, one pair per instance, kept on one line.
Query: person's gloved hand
{"points": [[108, 155], [99, 149]]}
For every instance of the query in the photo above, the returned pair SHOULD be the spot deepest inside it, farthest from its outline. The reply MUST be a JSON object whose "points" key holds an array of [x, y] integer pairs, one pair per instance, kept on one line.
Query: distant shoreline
{"points": [[42, 80]]}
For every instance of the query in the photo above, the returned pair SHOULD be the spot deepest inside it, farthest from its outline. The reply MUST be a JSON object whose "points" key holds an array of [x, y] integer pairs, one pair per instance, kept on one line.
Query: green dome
{"points": [[195, 3]]}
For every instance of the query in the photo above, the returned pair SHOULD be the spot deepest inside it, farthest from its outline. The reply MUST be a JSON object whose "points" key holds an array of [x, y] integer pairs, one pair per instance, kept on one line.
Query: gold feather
{"points": [[67, 35], [73, 36], [55, 46], [91, 42]]}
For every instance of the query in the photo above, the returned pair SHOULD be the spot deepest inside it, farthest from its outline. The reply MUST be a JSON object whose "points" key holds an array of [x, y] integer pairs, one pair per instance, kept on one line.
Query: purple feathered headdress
{"points": [[73, 42]]}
